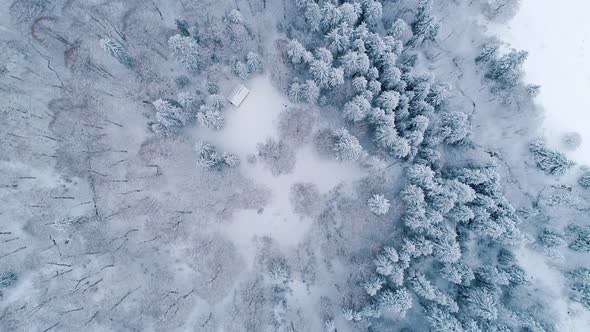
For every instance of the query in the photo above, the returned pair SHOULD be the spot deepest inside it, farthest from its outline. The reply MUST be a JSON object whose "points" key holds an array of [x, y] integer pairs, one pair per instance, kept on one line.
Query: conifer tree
{"points": [[117, 51]]}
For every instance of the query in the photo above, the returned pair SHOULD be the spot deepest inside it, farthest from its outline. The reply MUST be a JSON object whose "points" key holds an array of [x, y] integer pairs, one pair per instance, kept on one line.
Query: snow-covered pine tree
{"points": [[378, 204], [424, 27], [185, 50], [549, 161], [584, 180], [117, 51], [398, 301], [346, 146]]}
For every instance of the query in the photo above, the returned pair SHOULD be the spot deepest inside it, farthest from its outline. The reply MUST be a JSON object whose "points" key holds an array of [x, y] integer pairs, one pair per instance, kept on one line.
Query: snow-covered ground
{"points": [[557, 36], [252, 123]]}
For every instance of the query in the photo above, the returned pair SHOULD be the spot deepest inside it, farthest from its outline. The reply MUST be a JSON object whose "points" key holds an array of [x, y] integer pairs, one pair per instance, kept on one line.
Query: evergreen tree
{"points": [[447, 249], [210, 117], [234, 17], [170, 116], [378, 204], [374, 86], [488, 52], [359, 84], [254, 63], [117, 51], [582, 239], [482, 303], [388, 100], [7, 280], [241, 70], [584, 180], [325, 55], [455, 128], [579, 280], [350, 13], [383, 265], [182, 26], [388, 138], [373, 285], [550, 238], [321, 73], [297, 53], [210, 159], [398, 28], [550, 161], [336, 77], [441, 320], [331, 16], [190, 103], [457, 272], [355, 63], [313, 15], [182, 81], [346, 146], [296, 92], [415, 215], [506, 71], [185, 50], [338, 39], [372, 12], [310, 92], [424, 289], [424, 27], [217, 102], [398, 301], [356, 110]]}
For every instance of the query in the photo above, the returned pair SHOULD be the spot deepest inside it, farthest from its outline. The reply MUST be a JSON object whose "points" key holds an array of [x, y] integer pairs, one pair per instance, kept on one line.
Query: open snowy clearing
{"points": [[557, 36], [247, 126]]}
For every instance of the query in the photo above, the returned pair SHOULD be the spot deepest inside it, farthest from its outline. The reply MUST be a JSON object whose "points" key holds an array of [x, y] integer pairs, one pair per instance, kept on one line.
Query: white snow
{"points": [[253, 123], [557, 36]]}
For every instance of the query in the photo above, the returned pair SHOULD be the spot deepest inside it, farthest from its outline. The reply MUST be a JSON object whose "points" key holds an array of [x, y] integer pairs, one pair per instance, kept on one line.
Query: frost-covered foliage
{"points": [[424, 28], [209, 158], [455, 127], [396, 193], [580, 238], [584, 180], [117, 51], [186, 51], [210, 114], [455, 213], [7, 280], [580, 285], [549, 161], [170, 117], [378, 204], [346, 146]]}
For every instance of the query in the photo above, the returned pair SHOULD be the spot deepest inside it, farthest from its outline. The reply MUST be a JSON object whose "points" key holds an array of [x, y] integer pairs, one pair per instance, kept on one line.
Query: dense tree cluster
{"points": [[455, 217], [383, 91], [118, 222]]}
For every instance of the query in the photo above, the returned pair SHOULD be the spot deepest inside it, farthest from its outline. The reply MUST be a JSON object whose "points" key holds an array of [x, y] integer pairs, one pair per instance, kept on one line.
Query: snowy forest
{"points": [[386, 171]]}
